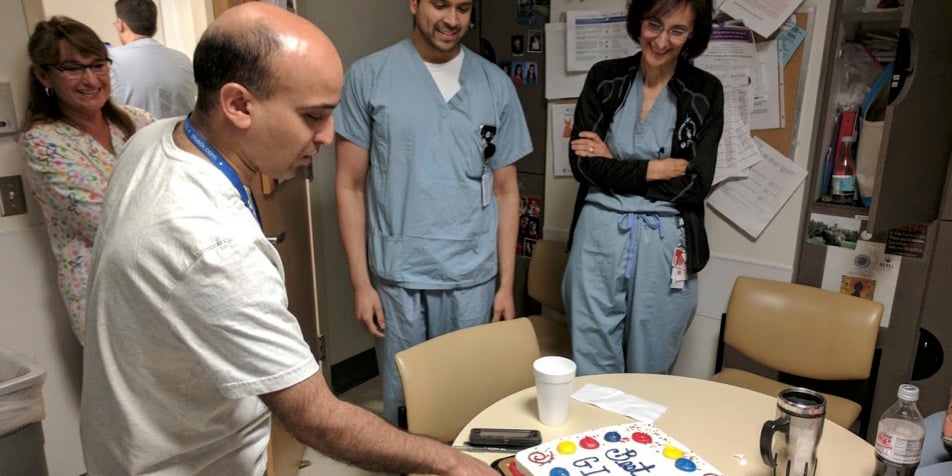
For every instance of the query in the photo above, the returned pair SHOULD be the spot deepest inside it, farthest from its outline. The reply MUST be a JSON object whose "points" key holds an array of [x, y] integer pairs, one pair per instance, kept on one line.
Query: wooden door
{"points": [[219, 6], [286, 217]]}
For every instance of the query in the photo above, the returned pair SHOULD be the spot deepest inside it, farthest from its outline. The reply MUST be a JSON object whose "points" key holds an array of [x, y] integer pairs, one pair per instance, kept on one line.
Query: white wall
{"points": [[733, 253], [33, 321], [182, 22], [97, 14]]}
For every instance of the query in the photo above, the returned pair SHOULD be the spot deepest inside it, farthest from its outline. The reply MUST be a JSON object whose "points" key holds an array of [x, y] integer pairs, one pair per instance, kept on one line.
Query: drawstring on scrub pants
{"points": [[628, 223]]}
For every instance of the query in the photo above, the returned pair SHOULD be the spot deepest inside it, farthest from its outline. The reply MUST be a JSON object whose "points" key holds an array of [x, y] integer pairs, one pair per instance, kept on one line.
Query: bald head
{"points": [[249, 44]]}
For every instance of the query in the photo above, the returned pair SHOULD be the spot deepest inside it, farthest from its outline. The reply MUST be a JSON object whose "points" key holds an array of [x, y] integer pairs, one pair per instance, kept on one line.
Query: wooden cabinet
{"points": [[912, 168]]}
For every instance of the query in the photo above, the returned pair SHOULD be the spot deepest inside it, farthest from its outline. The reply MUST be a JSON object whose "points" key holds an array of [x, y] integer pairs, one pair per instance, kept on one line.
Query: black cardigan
{"points": [[698, 127]]}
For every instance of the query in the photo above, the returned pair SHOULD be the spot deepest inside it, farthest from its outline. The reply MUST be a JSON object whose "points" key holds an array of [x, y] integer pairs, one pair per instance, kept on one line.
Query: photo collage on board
{"points": [[523, 68], [530, 224]]}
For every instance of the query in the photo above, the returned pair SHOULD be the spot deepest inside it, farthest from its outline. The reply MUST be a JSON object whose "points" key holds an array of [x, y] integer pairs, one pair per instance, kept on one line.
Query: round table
{"points": [[721, 423]]}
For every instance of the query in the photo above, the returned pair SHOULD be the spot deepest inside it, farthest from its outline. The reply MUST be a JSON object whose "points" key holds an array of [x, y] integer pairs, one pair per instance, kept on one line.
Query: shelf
{"points": [[838, 210], [874, 16]]}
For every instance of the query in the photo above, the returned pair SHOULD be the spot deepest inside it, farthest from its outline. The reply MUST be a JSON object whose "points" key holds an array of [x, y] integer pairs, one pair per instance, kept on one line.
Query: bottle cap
{"points": [[909, 392]]}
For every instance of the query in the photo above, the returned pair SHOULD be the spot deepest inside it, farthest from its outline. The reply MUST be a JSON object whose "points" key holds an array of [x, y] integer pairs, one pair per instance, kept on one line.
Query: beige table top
{"points": [[719, 422]]}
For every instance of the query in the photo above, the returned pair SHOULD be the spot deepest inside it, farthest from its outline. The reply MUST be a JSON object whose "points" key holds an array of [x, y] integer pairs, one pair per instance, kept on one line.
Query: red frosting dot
{"points": [[640, 437], [588, 443]]}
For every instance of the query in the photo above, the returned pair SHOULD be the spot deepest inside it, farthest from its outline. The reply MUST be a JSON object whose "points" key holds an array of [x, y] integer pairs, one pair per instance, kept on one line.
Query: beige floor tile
{"points": [[367, 395]]}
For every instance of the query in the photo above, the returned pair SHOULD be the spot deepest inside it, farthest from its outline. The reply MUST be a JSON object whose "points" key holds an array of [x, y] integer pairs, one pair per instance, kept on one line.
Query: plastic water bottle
{"points": [[900, 435]]}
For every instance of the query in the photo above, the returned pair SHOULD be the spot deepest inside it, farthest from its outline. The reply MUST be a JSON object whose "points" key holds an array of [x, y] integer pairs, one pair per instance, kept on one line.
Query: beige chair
{"points": [[449, 379], [544, 284], [808, 335]]}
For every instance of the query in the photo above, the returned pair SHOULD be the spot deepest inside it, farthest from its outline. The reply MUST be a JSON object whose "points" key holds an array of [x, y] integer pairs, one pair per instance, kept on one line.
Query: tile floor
{"points": [[367, 395]]}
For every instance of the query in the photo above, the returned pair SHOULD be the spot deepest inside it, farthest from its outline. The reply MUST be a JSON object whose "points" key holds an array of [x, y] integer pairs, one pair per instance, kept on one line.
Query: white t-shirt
{"points": [[446, 75], [187, 321]]}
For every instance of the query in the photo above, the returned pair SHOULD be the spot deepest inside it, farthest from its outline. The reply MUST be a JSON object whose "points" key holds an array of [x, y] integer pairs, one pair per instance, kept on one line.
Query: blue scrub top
{"points": [[427, 226], [631, 139]]}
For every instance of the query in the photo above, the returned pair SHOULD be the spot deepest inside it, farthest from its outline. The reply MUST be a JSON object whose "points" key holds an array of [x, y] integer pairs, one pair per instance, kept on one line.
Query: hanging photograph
{"points": [[518, 74], [518, 43], [535, 41], [506, 67], [532, 12], [832, 230], [532, 75]]}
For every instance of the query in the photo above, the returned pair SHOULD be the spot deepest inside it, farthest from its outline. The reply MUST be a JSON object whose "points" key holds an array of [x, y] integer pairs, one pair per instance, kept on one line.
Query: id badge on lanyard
{"points": [[218, 161], [486, 135], [679, 261]]}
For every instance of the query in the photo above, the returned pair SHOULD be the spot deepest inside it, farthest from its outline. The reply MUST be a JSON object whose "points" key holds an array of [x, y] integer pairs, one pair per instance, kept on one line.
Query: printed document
{"points": [[753, 201], [762, 16], [593, 36]]}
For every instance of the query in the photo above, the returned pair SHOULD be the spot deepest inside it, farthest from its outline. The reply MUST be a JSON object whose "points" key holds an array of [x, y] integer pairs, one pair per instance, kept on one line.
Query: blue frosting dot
{"points": [[559, 472], [612, 436], [685, 465]]}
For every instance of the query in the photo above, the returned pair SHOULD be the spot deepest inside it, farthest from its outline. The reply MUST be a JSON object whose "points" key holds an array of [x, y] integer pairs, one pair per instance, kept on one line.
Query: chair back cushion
{"points": [[449, 379], [546, 267], [802, 330], [552, 335]]}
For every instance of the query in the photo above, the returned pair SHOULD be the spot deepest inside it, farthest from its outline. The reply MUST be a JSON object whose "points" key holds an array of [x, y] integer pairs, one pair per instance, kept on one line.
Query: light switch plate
{"points": [[12, 201], [8, 112]]}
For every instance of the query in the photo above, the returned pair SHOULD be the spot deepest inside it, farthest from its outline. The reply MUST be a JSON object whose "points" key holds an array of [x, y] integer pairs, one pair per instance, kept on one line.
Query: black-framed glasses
{"points": [[74, 70], [486, 134]]}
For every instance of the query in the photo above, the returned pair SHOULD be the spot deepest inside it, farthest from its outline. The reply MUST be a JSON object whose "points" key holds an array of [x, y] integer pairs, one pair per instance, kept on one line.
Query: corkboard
{"points": [[780, 138]]}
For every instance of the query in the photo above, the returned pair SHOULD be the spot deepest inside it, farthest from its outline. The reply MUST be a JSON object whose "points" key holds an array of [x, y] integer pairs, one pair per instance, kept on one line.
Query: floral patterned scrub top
{"points": [[68, 171]]}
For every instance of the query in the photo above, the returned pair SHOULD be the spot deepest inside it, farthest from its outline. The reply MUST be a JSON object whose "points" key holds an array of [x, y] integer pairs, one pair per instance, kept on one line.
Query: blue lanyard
{"points": [[216, 158]]}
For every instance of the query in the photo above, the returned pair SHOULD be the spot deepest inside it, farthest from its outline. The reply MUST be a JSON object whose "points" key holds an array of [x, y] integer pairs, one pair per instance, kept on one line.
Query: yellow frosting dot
{"points": [[566, 447], [671, 452]]}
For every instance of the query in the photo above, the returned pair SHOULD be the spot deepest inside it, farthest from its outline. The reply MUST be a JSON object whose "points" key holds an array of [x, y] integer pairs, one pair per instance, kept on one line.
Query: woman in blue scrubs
{"points": [[644, 148]]}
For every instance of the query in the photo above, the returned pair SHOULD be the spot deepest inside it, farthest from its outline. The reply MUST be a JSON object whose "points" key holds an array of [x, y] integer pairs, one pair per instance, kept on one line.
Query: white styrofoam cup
{"points": [[553, 378]]}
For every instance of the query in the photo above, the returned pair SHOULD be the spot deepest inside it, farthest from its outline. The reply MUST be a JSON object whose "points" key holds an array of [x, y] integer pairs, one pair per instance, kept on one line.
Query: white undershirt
{"points": [[446, 75]]}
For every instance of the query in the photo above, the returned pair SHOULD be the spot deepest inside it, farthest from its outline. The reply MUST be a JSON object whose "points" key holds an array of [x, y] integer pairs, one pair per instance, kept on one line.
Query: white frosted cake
{"points": [[632, 448]]}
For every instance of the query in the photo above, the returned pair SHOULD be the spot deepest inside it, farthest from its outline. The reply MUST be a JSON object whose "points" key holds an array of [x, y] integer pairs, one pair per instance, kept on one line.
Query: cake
{"points": [[632, 448]]}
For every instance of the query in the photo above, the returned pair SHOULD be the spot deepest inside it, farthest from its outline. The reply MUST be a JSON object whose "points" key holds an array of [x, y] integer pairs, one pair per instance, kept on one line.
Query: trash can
{"points": [[21, 414]]}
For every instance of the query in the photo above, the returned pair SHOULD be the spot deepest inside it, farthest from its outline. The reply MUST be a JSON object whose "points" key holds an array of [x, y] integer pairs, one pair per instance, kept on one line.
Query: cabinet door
{"points": [[934, 390], [916, 142]]}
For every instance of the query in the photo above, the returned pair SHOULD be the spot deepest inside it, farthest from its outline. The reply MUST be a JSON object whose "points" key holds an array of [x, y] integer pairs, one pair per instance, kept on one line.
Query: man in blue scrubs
{"points": [[428, 201]]}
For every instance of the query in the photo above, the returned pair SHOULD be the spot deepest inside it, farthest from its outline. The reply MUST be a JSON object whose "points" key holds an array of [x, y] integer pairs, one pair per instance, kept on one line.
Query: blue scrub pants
{"points": [[618, 323], [415, 315]]}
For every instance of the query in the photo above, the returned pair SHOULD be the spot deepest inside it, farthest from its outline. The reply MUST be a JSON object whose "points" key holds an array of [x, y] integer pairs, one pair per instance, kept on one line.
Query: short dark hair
{"points": [[700, 32], [44, 51], [139, 15], [243, 57]]}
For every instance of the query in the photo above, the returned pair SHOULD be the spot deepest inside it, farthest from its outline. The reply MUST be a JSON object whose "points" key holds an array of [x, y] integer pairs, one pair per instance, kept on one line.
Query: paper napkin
{"points": [[615, 400]]}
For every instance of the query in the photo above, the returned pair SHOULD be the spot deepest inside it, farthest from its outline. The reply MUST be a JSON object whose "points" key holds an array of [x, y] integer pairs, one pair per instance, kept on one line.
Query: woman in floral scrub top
{"points": [[72, 136]]}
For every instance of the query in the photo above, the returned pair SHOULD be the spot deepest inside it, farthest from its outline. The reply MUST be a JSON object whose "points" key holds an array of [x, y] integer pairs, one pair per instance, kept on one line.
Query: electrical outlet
{"points": [[12, 201]]}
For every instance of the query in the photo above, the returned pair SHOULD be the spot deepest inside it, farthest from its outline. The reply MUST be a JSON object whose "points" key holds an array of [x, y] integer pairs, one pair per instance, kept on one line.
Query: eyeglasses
{"points": [[676, 34], [73, 70]]}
